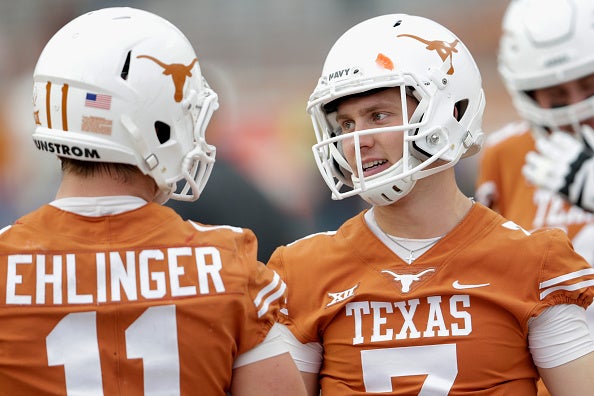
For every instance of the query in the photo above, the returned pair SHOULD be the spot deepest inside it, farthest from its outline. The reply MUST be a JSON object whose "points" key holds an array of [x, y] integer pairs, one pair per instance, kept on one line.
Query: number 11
{"points": [[73, 343]]}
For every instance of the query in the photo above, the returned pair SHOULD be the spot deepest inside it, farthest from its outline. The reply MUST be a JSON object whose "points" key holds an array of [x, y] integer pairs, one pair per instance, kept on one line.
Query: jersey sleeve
{"points": [[286, 316], [566, 277], [266, 290], [276, 264], [302, 312]]}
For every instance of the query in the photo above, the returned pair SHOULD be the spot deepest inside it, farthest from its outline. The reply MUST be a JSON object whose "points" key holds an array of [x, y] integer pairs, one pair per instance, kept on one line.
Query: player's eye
{"points": [[347, 126]]}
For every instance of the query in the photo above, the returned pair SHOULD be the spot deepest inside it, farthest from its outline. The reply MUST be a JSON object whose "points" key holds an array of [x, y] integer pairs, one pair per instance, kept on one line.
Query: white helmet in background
{"points": [[426, 61], [546, 43], [121, 85]]}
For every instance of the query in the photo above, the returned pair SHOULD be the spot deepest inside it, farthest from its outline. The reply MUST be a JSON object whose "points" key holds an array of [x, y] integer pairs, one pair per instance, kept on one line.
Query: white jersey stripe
{"points": [[265, 290], [199, 227], [566, 277], [572, 287], [271, 298], [5, 229]]}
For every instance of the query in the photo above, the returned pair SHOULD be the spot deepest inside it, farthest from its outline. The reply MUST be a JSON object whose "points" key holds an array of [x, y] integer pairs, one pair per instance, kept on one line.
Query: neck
{"points": [[433, 208], [102, 185]]}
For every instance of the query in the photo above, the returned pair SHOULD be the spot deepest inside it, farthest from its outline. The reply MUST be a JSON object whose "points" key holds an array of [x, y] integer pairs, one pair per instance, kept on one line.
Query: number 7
{"points": [[439, 362]]}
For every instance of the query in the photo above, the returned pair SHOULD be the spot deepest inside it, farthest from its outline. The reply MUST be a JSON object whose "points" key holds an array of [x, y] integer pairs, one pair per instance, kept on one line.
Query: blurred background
{"points": [[263, 58]]}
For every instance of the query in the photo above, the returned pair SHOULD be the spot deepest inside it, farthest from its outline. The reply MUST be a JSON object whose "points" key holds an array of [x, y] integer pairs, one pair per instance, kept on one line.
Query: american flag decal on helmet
{"points": [[98, 101], [269, 294]]}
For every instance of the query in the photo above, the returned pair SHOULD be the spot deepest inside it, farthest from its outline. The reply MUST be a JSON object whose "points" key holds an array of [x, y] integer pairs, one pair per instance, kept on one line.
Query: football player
{"points": [[540, 172], [548, 68], [427, 292], [104, 291]]}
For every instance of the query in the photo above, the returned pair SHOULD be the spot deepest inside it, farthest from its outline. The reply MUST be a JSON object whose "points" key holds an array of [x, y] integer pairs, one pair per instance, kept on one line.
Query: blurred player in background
{"points": [[539, 172]]}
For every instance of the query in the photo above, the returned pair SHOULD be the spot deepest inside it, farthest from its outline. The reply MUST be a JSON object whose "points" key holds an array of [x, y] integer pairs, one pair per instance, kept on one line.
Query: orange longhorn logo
{"points": [[443, 49], [178, 73]]}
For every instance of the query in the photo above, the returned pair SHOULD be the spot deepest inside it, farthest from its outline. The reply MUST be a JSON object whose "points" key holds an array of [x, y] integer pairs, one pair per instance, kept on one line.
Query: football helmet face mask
{"points": [[121, 85], [546, 43], [426, 61]]}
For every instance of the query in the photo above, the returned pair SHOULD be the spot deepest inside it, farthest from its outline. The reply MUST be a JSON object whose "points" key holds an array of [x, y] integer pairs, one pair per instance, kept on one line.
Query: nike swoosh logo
{"points": [[459, 286]]}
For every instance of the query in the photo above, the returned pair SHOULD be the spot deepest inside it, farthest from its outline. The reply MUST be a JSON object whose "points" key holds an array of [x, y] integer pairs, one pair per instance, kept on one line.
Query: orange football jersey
{"points": [[501, 185], [140, 303], [452, 323]]}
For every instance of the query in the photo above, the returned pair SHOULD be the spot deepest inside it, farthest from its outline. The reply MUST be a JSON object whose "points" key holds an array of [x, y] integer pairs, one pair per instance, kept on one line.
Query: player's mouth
{"points": [[375, 166]]}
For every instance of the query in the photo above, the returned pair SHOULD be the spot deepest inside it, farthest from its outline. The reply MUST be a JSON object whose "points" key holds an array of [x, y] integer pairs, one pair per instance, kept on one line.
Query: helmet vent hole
{"points": [[163, 132], [460, 108], [126, 68], [398, 22]]}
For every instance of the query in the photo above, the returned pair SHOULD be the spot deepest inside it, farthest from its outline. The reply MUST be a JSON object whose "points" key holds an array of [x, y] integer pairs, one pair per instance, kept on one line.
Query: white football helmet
{"points": [[122, 85], [546, 43], [426, 61]]}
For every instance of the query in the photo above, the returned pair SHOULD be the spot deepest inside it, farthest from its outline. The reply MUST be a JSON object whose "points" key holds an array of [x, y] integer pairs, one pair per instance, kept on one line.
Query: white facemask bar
{"points": [[198, 163], [326, 151]]}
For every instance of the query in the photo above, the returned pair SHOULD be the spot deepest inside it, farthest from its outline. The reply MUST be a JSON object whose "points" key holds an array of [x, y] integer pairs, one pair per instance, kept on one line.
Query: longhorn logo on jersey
{"points": [[178, 73], [406, 280], [444, 50]]}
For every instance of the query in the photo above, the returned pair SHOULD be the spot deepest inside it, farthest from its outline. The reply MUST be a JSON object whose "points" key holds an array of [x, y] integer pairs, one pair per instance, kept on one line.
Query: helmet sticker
{"points": [[443, 49], [96, 124], [98, 101], [178, 73], [48, 90], [64, 106], [384, 62]]}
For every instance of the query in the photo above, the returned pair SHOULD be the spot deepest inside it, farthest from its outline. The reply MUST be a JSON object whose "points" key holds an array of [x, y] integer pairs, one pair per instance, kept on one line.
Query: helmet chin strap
{"points": [[392, 189]]}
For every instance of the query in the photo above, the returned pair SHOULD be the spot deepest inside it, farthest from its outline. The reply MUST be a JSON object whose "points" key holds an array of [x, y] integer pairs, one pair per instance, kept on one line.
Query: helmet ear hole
{"points": [[163, 132], [460, 108], [126, 68]]}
